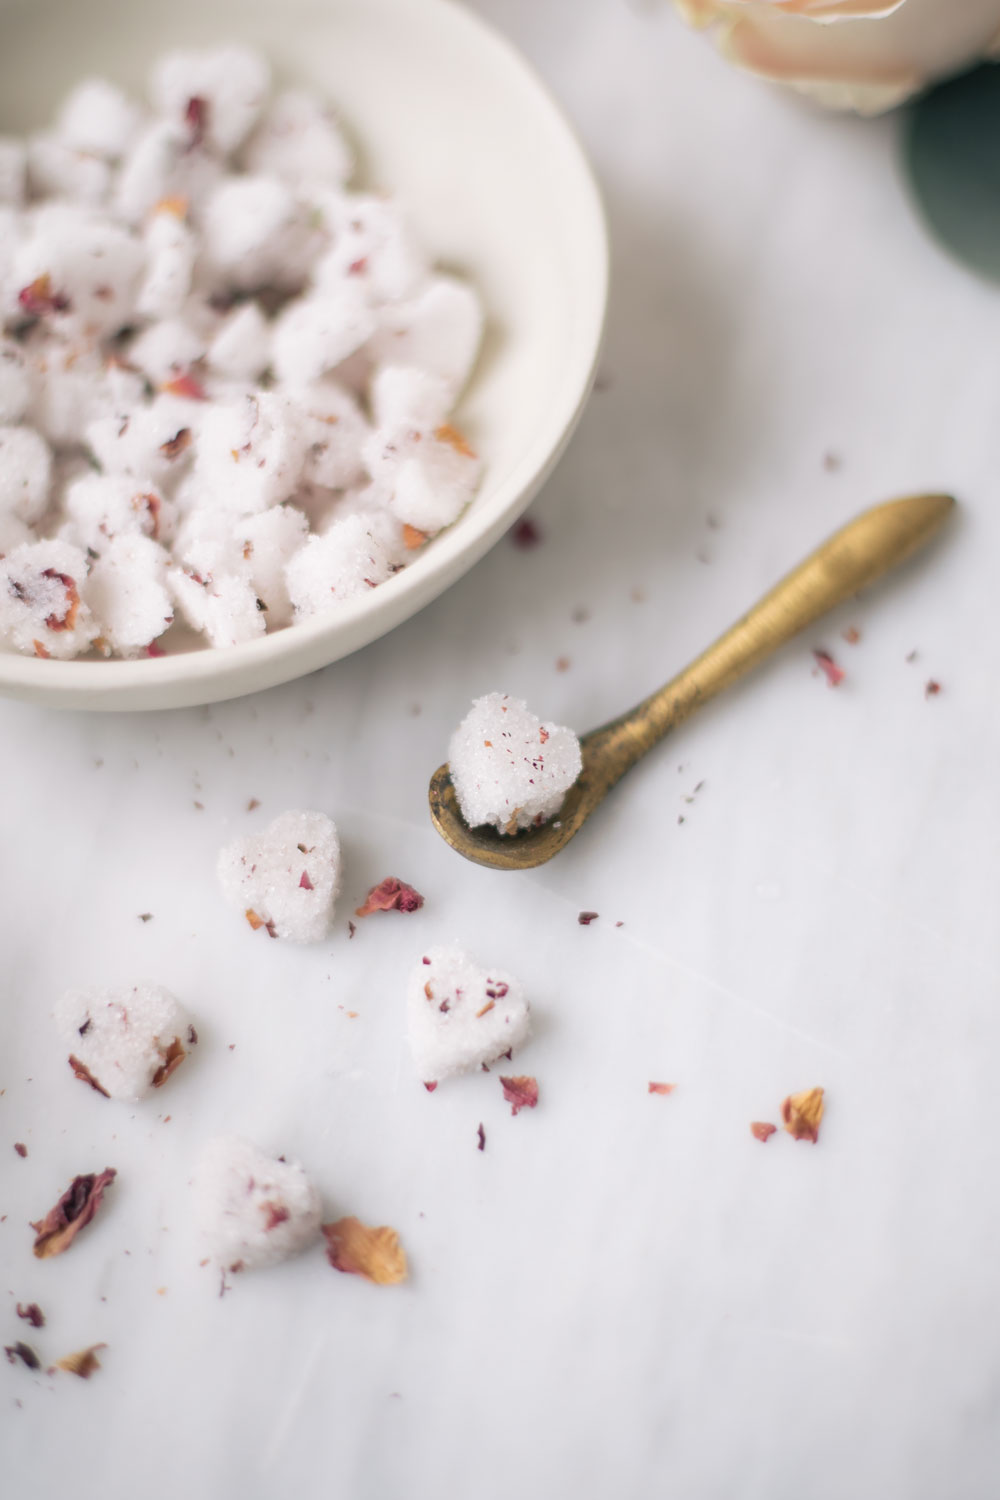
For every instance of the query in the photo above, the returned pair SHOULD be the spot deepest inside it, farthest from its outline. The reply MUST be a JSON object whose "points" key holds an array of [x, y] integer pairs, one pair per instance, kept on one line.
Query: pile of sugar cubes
{"points": [[225, 378]]}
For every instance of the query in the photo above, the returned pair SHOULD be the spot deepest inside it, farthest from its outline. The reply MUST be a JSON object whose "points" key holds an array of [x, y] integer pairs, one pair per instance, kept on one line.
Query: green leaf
{"points": [[953, 157]]}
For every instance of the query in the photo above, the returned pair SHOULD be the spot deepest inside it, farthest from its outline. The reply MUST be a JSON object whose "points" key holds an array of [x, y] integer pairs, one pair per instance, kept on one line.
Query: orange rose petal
{"points": [[802, 1114], [662, 1088], [83, 1363], [451, 435], [359, 1250], [412, 538], [762, 1130]]}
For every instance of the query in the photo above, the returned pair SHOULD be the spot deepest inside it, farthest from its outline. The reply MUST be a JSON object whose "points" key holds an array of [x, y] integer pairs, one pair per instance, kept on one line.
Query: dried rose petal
{"points": [[412, 538], [451, 435], [83, 1363], [40, 650], [256, 921], [852, 635], [526, 533], [480, 1139], [24, 1353], [175, 446], [176, 206], [391, 894], [661, 1088], [762, 1130], [802, 1114], [196, 119], [833, 674], [75, 1209], [375, 1254], [86, 1076], [67, 620], [20, 1148], [430, 1087], [31, 1314], [276, 1213], [38, 298], [305, 883], [185, 385], [172, 1056], [931, 689], [586, 917], [520, 1092]]}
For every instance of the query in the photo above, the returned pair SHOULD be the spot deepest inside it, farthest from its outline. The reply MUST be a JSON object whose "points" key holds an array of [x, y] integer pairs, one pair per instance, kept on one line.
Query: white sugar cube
{"points": [[60, 171], [430, 477], [438, 331], [73, 385], [13, 169], [461, 1015], [299, 140], [77, 274], [166, 349], [250, 452], [217, 94], [241, 346], [343, 563], [314, 334], [163, 166], [373, 247], [128, 595], [15, 382], [154, 441], [334, 432], [224, 608], [25, 472], [171, 250], [405, 397], [98, 118], [507, 767], [285, 879], [42, 608], [257, 234], [254, 1208], [102, 506], [268, 542], [125, 1041]]}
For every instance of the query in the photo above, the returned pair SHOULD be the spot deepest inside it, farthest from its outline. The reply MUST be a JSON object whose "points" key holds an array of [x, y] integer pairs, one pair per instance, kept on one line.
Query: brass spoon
{"points": [[850, 560]]}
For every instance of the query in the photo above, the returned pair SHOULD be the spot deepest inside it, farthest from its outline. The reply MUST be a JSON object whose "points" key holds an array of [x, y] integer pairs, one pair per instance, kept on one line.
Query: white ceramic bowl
{"points": [[447, 115]]}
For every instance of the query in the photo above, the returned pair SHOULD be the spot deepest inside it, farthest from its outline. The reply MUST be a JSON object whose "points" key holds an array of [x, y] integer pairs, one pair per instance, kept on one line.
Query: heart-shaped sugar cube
{"points": [[285, 879], [461, 1015], [253, 1208]]}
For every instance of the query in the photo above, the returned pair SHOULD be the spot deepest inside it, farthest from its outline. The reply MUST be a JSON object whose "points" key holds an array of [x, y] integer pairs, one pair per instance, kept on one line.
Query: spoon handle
{"points": [[848, 561]]}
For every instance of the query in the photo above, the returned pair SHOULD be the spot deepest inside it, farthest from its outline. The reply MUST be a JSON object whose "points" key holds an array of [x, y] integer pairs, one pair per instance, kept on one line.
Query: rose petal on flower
{"points": [[661, 1088], [83, 1363], [762, 1130], [86, 1076], [374, 1253], [75, 1209], [520, 1092], [391, 894], [802, 1114]]}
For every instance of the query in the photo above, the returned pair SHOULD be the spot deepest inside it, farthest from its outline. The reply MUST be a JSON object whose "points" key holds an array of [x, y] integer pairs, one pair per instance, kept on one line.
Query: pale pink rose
{"points": [[866, 55]]}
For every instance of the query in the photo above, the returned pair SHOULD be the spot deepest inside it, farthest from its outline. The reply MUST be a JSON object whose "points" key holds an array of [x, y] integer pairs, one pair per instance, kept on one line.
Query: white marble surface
{"points": [[624, 1295]]}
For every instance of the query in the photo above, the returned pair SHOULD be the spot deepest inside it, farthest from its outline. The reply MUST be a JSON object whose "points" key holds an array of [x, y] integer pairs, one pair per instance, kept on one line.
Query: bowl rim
{"points": [[188, 677]]}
